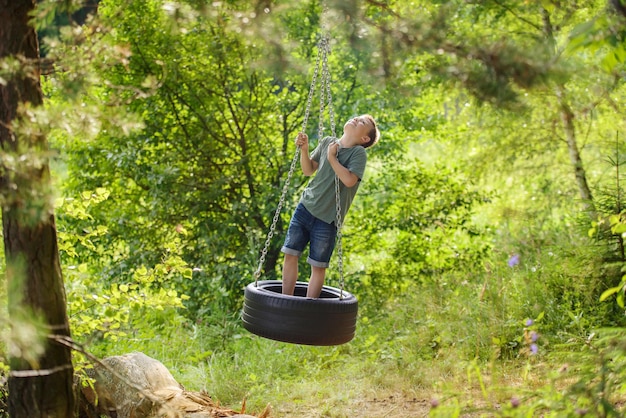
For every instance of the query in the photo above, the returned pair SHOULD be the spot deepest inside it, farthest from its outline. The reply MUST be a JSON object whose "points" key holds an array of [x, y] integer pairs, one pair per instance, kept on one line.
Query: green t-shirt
{"points": [[319, 195]]}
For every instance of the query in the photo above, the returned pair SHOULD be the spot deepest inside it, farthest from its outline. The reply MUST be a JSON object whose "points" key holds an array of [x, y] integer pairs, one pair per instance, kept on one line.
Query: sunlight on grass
{"points": [[456, 366]]}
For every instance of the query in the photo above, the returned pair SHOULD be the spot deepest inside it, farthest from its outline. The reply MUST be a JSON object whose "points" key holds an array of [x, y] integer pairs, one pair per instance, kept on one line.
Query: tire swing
{"points": [[329, 319]]}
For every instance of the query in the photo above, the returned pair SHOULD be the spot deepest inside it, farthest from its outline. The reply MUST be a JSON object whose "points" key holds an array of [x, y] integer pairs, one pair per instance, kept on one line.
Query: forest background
{"points": [[485, 245]]}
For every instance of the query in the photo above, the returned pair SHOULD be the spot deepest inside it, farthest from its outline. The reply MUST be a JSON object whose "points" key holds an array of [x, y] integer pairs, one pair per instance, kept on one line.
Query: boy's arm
{"points": [[347, 177], [306, 163]]}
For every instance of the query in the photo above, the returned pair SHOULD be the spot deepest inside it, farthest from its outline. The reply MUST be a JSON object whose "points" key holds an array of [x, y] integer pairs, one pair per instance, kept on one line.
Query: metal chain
{"points": [[327, 78], [321, 51], [327, 82], [339, 237], [325, 89], [320, 123], [312, 88]]}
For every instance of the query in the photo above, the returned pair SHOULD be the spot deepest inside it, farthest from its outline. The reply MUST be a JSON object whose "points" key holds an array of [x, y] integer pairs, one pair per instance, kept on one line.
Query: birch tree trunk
{"points": [[40, 381], [567, 118]]}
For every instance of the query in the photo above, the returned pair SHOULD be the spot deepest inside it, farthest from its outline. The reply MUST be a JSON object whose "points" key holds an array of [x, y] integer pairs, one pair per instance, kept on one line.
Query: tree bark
{"points": [[567, 117], [40, 386]]}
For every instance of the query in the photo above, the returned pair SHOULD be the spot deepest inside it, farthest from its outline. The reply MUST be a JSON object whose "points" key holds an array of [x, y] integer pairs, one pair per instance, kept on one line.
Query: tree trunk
{"points": [[567, 117], [40, 382]]}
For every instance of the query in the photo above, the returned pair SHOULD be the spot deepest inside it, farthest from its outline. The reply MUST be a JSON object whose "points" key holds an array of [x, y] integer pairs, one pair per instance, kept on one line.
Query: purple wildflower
{"points": [[529, 322], [515, 402], [534, 336], [434, 402], [514, 260], [534, 349]]}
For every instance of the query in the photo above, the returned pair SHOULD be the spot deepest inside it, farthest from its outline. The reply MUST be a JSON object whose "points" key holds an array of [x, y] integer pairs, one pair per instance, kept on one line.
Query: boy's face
{"points": [[359, 126]]}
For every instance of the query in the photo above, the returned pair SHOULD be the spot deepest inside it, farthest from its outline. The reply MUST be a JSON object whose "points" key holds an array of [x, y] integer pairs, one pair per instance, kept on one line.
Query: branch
{"points": [[510, 10], [383, 6]]}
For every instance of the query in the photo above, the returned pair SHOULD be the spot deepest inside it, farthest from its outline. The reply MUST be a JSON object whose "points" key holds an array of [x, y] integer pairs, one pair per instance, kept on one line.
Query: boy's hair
{"points": [[373, 134]]}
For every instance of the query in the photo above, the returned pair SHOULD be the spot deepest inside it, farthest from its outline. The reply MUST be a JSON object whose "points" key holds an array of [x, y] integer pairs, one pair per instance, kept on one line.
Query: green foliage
{"points": [[603, 37], [109, 317], [608, 230], [598, 367], [175, 124], [594, 364], [422, 218], [215, 145], [201, 162]]}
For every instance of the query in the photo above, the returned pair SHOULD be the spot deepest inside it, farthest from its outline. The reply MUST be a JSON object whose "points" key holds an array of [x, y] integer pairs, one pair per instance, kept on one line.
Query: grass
{"points": [[454, 345], [447, 347], [349, 380]]}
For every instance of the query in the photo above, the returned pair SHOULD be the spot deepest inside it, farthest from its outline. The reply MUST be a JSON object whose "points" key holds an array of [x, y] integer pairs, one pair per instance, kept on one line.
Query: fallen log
{"points": [[137, 386]]}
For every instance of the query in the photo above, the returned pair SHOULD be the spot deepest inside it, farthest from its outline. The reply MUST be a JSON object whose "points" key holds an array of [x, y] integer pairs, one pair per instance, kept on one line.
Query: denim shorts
{"points": [[305, 228]]}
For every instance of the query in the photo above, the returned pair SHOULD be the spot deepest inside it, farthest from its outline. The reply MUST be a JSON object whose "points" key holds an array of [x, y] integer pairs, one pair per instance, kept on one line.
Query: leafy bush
{"points": [[141, 306], [413, 224]]}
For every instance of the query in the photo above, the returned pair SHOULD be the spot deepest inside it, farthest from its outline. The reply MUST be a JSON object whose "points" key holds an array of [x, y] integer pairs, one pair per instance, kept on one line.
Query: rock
{"points": [[137, 386]]}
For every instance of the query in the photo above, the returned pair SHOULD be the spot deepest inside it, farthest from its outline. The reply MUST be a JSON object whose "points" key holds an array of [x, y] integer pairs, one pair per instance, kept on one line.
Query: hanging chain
{"points": [[312, 89], [292, 167], [339, 223], [326, 90], [339, 237], [323, 52], [320, 122], [326, 77]]}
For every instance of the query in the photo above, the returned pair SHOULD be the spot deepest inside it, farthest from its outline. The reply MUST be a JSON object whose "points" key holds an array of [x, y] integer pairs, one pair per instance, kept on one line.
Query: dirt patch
{"points": [[391, 406]]}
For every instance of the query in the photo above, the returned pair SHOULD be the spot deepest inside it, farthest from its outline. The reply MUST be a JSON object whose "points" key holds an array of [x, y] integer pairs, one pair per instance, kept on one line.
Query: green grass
{"points": [[454, 345], [460, 344]]}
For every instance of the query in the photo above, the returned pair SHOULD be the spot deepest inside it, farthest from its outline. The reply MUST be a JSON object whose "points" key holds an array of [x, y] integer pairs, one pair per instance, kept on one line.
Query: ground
{"points": [[388, 407]]}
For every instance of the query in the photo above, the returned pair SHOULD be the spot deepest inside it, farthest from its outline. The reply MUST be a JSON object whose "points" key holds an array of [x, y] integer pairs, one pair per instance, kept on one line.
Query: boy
{"points": [[314, 220]]}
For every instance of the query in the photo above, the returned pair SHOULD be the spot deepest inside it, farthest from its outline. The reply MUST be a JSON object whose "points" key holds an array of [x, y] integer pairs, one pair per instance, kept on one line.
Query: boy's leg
{"points": [[296, 240], [322, 244], [314, 289], [290, 274]]}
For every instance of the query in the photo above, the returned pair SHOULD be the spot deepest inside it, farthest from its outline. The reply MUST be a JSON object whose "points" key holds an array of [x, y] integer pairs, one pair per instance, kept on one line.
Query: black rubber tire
{"points": [[328, 320]]}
